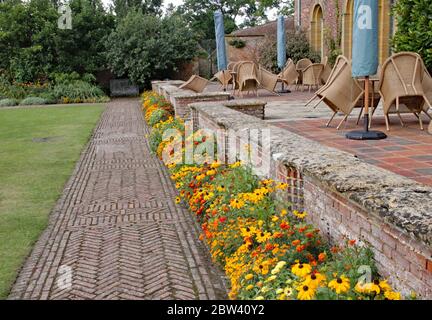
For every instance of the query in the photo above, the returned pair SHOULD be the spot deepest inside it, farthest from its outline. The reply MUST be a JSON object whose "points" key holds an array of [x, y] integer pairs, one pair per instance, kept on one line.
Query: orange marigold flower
{"points": [[322, 256], [296, 242], [284, 225], [351, 242]]}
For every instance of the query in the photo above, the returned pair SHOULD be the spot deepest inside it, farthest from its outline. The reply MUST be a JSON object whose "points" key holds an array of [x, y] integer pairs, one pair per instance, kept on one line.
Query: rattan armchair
{"points": [[195, 83], [401, 86], [312, 75]]}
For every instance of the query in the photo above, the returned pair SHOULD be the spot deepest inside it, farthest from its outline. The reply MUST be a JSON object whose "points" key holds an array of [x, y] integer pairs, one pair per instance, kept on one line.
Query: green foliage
{"points": [[32, 45], [77, 91], [148, 47], [414, 28], [32, 101], [122, 7], [8, 102], [158, 116], [238, 43], [298, 47]]}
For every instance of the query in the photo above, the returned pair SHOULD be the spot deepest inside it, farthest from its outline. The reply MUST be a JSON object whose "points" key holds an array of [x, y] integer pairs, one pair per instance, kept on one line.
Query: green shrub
{"points": [[32, 101], [158, 116], [8, 102], [297, 46], [77, 91], [414, 28]]}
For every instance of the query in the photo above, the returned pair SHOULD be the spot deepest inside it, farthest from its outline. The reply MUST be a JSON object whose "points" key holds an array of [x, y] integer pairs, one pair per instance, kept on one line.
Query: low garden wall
{"points": [[344, 196]]}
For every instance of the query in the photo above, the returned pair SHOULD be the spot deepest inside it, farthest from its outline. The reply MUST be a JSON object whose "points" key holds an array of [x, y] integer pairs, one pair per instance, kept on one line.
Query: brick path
{"points": [[117, 227]]}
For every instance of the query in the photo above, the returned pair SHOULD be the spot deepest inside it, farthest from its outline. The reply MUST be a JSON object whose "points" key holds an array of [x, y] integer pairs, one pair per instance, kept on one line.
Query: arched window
{"points": [[317, 32], [347, 29]]}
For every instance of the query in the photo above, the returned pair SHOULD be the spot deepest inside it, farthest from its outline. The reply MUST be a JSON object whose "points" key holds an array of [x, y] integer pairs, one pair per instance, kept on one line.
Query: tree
{"points": [[122, 7], [82, 48], [414, 28], [27, 48], [32, 46], [145, 47]]}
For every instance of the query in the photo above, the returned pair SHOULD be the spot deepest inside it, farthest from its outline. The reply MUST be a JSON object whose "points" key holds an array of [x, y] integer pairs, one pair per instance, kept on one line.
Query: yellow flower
{"points": [[279, 291], [236, 164], [249, 276], [281, 186], [284, 213], [220, 188], [301, 269], [263, 237], [340, 285], [275, 218], [271, 278], [200, 177], [390, 295], [237, 204], [288, 291], [259, 298], [215, 165], [314, 280], [385, 286], [211, 172], [249, 287], [299, 215], [265, 289], [305, 292], [177, 200]]}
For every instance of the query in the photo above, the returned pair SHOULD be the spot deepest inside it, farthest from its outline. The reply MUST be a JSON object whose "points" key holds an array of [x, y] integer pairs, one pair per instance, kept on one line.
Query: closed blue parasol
{"points": [[365, 38], [365, 58], [281, 42], [220, 41]]}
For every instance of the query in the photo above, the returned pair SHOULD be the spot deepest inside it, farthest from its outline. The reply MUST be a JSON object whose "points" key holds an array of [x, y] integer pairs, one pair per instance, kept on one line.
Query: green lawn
{"points": [[33, 173]]}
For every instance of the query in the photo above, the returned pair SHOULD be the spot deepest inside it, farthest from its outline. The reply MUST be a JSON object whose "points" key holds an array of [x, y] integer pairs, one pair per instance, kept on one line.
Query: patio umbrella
{"points": [[281, 47], [365, 57], [220, 41], [281, 42]]}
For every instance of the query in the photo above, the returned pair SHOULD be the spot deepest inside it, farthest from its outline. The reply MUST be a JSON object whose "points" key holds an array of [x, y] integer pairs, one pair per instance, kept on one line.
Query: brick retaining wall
{"points": [[344, 197]]}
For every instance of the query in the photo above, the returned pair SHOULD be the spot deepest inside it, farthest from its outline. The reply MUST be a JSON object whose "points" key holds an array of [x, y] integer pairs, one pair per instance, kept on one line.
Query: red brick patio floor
{"points": [[407, 151]]}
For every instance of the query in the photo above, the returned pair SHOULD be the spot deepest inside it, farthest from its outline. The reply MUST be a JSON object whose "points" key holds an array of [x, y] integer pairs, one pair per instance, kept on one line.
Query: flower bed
{"points": [[266, 250]]}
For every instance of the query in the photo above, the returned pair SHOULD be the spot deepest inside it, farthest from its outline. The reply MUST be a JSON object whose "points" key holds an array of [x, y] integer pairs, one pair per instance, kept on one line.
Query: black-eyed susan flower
{"points": [[390, 295], [177, 200], [314, 279], [340, 284], [263, 236], [237, 204], [301, 269], [305, 292]]}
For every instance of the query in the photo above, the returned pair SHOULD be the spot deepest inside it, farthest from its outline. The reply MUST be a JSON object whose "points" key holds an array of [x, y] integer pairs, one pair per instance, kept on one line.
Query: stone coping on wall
{"points": [[252, 107], [157, 83], [398, 201]]}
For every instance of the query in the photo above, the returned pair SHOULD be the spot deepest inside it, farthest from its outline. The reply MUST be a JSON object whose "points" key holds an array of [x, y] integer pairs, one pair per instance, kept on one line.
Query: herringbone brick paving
{"points": [[117, 233]]}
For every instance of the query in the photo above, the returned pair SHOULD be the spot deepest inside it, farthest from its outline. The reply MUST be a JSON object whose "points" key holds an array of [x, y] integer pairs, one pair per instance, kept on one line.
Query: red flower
{"points": [[284, 225], [269, 247], [300, 248], [351, 242], [309, 235], [222, 219], [296, 242], [322, 256]]}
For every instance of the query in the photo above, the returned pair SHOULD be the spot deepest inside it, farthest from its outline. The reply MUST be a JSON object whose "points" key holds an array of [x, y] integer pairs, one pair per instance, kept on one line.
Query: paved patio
{"points": [[407, 150], [117, 232]]}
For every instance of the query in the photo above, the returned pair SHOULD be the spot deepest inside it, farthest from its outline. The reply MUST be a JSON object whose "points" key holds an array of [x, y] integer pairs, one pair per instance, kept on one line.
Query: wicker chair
{"points": [[289, 74], [401, 85], [312, 75], [300, 66], [247, 79], [195, 83], [224, 77], [267, 80], [427, 85], [326, 70], [341, 93]]}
